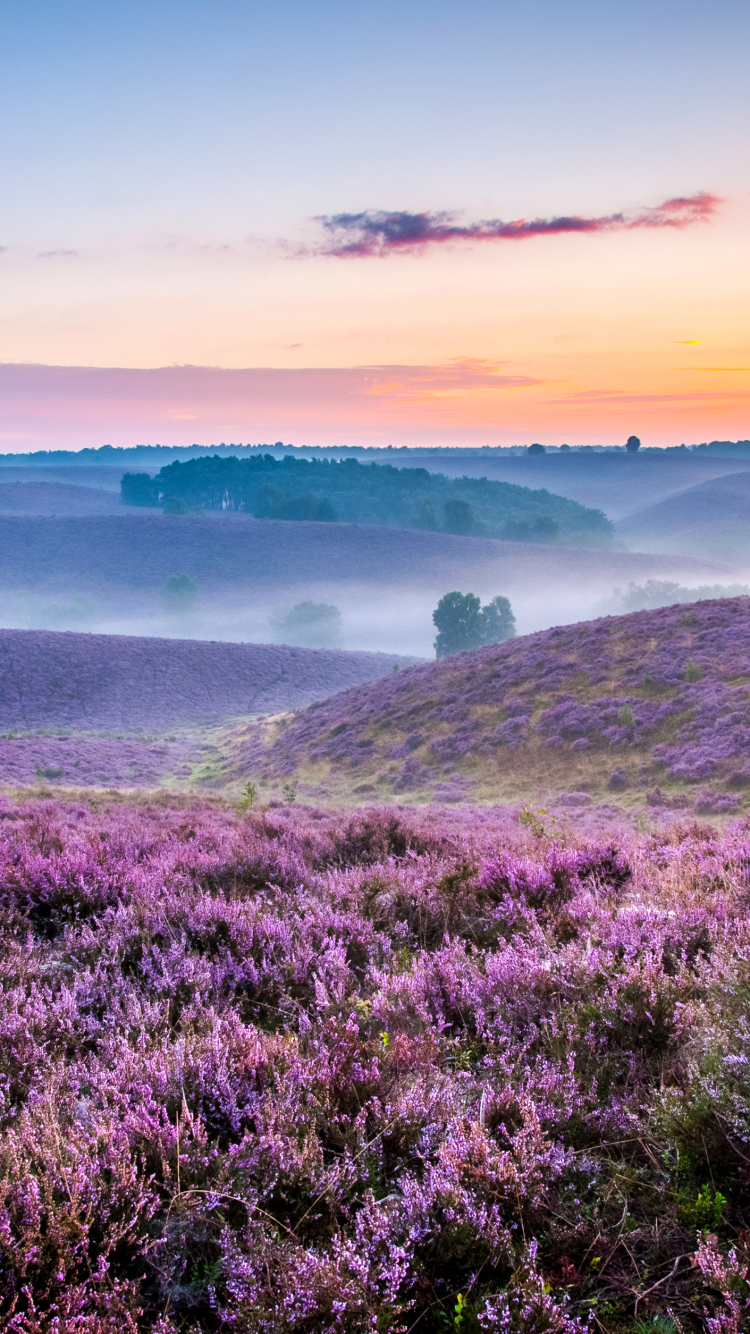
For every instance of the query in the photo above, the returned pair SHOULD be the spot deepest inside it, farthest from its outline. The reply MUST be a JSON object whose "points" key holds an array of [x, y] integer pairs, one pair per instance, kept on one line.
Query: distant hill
{"points": [[710, 519], [373, 493], [42, 497], [615, 482], [92, 682], [654, 705], [386, 582]]}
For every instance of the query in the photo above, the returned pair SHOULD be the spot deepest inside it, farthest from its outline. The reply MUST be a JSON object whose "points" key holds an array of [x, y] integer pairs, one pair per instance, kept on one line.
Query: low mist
{"points": [[395, 618]]}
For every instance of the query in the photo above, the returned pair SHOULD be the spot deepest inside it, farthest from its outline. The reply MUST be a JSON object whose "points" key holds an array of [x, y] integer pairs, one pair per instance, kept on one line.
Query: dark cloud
{"points": [[377, 232]]}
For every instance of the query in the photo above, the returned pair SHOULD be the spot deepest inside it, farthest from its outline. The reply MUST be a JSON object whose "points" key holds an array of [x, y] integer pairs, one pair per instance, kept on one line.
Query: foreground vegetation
{"points": [[297, 1072]]}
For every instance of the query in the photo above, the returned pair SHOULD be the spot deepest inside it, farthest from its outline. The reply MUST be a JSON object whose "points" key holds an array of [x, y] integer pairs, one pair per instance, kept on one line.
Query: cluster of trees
{"points": [[352, 492], [463, 623]]}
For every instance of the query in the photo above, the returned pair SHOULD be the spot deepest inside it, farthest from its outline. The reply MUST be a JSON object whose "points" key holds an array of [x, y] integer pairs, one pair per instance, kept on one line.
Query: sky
{"points": [[396, 223]]}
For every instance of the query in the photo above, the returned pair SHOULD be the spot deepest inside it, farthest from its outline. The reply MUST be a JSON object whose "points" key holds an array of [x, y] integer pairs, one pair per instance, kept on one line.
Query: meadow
{"points": [[295, 1071]]}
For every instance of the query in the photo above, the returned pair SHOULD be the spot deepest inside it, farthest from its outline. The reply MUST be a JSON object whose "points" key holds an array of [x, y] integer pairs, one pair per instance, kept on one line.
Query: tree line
{"points": [[327, 490]]}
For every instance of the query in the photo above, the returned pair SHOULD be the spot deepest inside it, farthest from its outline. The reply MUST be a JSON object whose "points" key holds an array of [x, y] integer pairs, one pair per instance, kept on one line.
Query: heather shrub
{"points": [[298, 1071]]}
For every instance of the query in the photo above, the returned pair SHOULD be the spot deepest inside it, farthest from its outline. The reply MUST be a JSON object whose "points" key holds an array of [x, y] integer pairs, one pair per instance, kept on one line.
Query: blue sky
{"points": [[162, 143]]}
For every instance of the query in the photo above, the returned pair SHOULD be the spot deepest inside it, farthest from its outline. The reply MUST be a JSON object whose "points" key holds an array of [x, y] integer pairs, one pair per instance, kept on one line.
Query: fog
{"points": [[109, 570], [394, 619]]}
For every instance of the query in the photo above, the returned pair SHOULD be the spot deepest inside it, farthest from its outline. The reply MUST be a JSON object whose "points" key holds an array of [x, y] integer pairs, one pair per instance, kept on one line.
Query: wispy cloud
{"points": [[455, 377], [56, 254], [378, 232]]}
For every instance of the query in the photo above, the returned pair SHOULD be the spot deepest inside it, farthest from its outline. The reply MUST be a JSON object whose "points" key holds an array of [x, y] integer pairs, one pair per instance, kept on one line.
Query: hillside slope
{"points": [[657, 701], [385, 581], [79, 681], [710, 519], [617, 483], [42, 497]]}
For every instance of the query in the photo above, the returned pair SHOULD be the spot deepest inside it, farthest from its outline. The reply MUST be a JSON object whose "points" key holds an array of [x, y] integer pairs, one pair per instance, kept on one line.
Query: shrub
{"points": [[309, 624]]}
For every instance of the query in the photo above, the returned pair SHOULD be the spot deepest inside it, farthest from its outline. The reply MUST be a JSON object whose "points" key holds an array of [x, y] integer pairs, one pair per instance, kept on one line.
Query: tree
{"points": [[427, 518], [546, 529], [632, 444], [536, 449], [310, 625], [463, 623], [459, 517], [180, 594], [137, 488], [498, 621]]}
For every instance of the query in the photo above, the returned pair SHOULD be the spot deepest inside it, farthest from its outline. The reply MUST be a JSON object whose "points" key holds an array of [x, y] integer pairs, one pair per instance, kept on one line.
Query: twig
{"points": [[666, 1279]]}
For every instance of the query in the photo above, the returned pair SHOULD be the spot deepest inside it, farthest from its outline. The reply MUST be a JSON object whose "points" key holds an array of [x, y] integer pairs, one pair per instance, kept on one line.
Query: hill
{"points": [[293, 488], [710, 518], [657, 701], [108, 573], [616, 482], [83, 682], [43, 497]]}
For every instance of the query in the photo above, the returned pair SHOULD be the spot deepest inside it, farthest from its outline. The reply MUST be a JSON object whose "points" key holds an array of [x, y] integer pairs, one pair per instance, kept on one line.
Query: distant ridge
{"points": [[155, 456]]}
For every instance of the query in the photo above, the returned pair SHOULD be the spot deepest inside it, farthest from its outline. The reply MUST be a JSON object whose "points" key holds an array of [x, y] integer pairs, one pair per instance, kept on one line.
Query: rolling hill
{"points": [[375, 493], [655, 702], [92, 682], [43, 497], [385, 581], [710, 519], [617, 483]]}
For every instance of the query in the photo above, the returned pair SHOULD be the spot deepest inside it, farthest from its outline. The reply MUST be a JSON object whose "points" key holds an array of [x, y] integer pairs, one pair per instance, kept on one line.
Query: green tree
{"points": [[176, 505], [458, 620], [138, 488], [179, 594], [459, 517], [427, 518], [498, 621], [310, 625], [546, 530], [463, 623]]}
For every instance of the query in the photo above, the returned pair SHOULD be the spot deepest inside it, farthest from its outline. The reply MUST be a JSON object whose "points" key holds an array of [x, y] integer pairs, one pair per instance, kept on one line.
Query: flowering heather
{"points": [[300, 1072], [656, 698], [81, 681], [99, 761]]}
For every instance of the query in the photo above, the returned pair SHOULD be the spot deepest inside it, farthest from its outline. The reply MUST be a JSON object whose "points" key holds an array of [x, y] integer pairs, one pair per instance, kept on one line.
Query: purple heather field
{"points": [[80, 681], [291, 1071], [656, 702]]}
